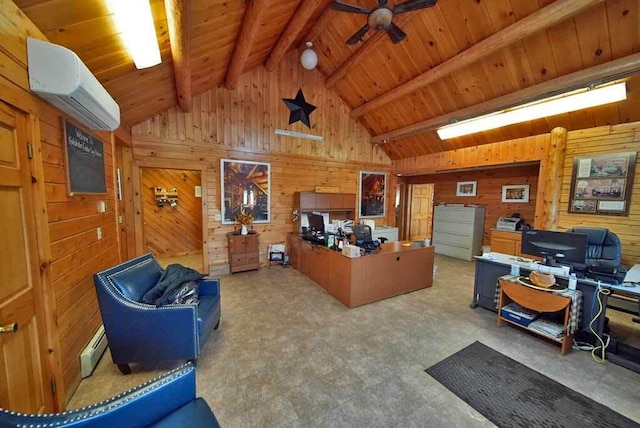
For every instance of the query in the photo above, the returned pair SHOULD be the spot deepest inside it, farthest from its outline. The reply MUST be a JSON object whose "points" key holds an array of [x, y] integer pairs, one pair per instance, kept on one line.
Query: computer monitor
{"points": [[555, 247], [316, 224]]}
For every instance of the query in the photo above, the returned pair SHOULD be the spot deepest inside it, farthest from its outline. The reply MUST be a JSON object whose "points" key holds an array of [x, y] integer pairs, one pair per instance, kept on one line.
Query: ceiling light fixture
{"points": [[571, 101], [134, 21], [309, 58]]}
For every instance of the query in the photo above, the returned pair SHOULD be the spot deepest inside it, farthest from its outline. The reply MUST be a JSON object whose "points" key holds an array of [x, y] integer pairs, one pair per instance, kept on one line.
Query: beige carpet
{"points": [[288, 354]]}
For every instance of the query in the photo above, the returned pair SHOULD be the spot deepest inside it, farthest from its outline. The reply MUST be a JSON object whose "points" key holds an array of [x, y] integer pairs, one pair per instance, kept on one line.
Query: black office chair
{"points": [[603, 247], [604, 254], [362, 232], [364, 238]]}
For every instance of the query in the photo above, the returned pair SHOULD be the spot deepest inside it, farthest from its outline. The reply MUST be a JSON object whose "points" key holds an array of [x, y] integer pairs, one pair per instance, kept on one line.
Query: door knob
{"points": [[9, 328]]}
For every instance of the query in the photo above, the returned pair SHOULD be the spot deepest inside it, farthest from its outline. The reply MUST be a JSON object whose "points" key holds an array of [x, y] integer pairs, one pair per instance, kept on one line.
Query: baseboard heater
{"points": [[92, 353]]}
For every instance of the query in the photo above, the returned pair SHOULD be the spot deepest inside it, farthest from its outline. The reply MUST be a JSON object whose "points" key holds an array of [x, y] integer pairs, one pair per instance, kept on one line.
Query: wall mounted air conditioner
{"points": [[60, 77]]}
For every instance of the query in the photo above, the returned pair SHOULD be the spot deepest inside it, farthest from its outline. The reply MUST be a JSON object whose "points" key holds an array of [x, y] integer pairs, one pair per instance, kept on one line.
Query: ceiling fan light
{"points": [[309, 58], [380, 18]]}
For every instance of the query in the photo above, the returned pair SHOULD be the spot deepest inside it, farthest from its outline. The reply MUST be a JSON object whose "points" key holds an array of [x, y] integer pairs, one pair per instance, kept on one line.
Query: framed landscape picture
{"points": [[372, 193], [515, 193], [245, 188], [466, 188], [602, 184]]}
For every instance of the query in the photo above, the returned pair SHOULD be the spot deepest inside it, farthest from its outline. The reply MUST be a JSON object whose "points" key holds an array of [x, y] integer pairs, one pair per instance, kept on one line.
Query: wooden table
{"points": [[540, 301], [395, 269]]}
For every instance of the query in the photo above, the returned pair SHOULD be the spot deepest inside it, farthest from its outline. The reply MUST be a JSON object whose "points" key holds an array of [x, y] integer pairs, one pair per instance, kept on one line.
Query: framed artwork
{"points": [[372, 193], [515, 193], [466, 188], [246, 187], [602, 184]]}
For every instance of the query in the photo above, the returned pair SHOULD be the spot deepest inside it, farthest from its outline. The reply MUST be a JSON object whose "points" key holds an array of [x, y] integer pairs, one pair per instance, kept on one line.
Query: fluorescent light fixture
{"points": [[135, 22], [572, 101]]}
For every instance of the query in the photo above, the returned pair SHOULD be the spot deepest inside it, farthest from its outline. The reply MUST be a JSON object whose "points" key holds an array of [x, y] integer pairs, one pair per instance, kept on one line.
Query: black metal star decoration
{"points": [[300, 109]]}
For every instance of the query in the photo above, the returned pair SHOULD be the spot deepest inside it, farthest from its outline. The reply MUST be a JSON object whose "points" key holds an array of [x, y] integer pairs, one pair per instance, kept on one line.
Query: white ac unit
{"points": [[60, 77]]}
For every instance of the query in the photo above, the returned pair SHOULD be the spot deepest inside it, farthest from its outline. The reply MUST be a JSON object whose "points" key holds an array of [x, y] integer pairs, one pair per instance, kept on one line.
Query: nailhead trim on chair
{"points": [[113, 291], [110, 403]]}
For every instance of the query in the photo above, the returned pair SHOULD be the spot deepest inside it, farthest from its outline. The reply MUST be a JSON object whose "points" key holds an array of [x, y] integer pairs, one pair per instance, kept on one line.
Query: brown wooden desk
{"points": [[395, 269]]}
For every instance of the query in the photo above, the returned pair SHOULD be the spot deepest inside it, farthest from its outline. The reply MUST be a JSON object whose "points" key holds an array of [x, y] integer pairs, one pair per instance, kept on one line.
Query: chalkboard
{"points": [[85, 161]]}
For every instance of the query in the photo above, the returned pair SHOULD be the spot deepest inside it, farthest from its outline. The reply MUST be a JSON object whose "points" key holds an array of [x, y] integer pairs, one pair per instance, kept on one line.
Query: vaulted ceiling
{"points": [[460, 57]]}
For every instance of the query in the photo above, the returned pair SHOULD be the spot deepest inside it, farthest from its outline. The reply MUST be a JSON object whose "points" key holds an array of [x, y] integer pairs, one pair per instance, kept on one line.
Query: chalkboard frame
{"points": [[73, 165]]}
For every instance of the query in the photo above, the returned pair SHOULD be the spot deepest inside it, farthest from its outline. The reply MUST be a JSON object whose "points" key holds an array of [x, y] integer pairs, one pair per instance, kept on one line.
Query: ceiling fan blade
{"points": [[358, 35], [395, 33], [410, 5], [346, 7]]}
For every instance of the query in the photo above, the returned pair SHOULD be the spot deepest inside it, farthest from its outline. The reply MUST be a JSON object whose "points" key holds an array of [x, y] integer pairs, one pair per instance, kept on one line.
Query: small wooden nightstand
{"points": [[244, 252]]}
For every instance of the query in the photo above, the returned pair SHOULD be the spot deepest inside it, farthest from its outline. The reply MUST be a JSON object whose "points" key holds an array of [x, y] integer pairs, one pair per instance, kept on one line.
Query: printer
{"points": [[509, 223]]}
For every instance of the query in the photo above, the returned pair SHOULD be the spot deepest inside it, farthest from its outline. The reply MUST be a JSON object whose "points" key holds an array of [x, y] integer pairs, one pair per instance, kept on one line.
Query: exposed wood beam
{"points": [[602, 73], [296, 24], [123, 135], [250, 27], [556, 12], [319, 26], [366, 47], [178, 23]]}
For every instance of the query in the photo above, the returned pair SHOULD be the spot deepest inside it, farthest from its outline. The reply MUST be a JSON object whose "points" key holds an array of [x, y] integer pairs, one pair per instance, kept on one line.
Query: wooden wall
{"points": [[239, 124], [70, 251], [172, 231], [601, 140], [488, 191]]}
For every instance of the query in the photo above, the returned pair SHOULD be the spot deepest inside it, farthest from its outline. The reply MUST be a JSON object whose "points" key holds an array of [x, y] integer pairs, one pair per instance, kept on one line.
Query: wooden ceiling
{"points": [[460, 57]]}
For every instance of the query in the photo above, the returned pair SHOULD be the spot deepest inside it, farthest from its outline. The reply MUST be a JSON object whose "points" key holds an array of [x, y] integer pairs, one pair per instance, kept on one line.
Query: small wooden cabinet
{"points": [[244, 252], [506, 242]]}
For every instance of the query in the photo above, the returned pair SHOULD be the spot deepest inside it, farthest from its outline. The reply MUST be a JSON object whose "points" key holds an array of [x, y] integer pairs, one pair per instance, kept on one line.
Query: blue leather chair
{"points": [[168, 400], [142, 333]]}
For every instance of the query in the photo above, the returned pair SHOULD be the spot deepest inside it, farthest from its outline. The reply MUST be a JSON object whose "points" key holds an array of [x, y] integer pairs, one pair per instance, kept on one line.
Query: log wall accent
{"points": [[488, 191], [172, 231], [598, 141], [70, 251], [239, 124]]}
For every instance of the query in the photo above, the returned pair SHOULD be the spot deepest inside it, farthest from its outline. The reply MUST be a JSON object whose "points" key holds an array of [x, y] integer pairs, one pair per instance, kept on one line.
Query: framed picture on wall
{"points": [[466, 188], [372, 194], [515, 193], [602, 184], [246, 187]]}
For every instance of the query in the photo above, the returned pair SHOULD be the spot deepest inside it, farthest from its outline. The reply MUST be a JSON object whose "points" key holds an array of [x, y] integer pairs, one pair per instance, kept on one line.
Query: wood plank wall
{"points": [[239, 124], [172, 231], [69, 247], [597, 141], [488, 191]]}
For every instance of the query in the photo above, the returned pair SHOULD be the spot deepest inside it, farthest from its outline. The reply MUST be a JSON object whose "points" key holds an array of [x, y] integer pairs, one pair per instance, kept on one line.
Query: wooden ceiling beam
{"points": [[602, 73], [366, 47], [555, 13], [178, 23], [250, 26], [295, 26], [319, 26]]}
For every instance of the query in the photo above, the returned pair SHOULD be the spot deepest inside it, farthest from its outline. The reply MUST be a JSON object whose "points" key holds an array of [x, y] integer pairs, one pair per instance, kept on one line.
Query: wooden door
{"points": [[24, 381], [421, 211]]}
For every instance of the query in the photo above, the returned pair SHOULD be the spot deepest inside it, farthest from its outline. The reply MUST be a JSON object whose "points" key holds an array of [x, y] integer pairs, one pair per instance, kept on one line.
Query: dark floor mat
{"points": [[510, 394]]}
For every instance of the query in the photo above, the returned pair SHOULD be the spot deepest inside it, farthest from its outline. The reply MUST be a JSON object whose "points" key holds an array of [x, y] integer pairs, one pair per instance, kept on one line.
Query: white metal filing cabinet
{"points": [[457, 231], [391, 233]]}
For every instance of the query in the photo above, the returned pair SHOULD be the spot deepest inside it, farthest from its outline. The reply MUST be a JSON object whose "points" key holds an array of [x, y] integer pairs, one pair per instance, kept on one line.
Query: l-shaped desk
{"points": [[396, 268], [491, 266]]}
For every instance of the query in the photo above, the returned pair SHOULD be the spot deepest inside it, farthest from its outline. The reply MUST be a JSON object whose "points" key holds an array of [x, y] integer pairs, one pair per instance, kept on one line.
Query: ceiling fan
{"points": [[381, 16]]}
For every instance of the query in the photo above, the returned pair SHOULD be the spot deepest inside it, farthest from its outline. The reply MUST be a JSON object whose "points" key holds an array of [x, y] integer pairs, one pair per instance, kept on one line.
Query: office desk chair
{"points": [[362, 233]]}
